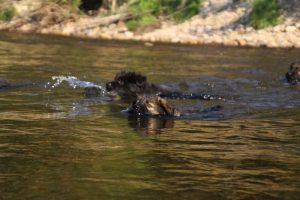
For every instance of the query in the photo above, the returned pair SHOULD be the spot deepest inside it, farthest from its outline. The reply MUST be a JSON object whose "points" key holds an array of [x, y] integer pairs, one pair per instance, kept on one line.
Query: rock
{"points": [[128, 34], [290, 28], [148, 44], [241, 42], [175, 40], [112, 26], [210, 6], [276, 28], [249, 29], [26, 6], [121, 26]]}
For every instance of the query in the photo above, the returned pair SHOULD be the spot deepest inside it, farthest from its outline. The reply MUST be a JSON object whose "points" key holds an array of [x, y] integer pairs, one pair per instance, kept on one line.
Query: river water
{"points": [[55, 143]]}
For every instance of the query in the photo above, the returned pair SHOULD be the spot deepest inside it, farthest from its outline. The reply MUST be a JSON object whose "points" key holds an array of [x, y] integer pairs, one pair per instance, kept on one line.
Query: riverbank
{"points": [[222, 23]]}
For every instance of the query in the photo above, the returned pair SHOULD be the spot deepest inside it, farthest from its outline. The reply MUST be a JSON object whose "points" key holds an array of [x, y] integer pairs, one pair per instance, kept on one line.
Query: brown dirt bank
{"points": [[220, 22]]}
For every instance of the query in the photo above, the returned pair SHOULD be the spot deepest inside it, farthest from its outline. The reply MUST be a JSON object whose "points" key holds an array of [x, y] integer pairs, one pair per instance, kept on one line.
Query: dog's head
{"points": [[293, 75], [127, 84]]}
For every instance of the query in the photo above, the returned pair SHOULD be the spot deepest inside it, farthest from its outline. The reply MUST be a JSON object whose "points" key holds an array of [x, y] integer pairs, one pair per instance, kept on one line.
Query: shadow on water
{"points": [[57, 144]]}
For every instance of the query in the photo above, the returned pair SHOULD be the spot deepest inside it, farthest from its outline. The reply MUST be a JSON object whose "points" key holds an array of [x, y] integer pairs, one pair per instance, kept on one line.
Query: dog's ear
{"points": [[135, 78], [140, 78]]}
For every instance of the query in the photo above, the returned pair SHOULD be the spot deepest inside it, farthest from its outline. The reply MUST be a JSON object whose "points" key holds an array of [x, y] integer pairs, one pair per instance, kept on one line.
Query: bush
{"points": [[72, 4], [182, 9], [7, 14], [146, 11], [265, 13]]}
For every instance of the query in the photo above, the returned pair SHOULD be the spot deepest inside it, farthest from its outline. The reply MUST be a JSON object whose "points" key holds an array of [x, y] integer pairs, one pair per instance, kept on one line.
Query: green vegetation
{"points": [[72, 4], [265, 13], [182, 9], [147, 12], [69, 2], [7, 14]]}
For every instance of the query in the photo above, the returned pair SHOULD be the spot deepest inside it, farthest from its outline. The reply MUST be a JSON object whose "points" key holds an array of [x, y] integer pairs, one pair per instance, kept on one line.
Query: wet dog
{"points": [[147, 99], [293, 75], [152, 106], [131, 84]]}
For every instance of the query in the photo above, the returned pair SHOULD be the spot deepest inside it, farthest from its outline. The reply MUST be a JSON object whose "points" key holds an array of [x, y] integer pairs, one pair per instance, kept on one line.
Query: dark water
{"points": [[57, 144]]}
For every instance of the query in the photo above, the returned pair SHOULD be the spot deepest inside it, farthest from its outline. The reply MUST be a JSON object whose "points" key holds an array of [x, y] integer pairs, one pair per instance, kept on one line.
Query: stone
{"points": [[290, 28], [128, 34], [241, 42], [112, 26]]}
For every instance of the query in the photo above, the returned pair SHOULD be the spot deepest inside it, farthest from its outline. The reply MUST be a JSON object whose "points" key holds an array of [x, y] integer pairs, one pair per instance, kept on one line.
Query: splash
{"points": [[73, 81]]}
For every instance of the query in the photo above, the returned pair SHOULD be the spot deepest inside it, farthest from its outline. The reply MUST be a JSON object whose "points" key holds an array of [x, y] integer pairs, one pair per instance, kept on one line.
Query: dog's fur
{"points": [[293, 75], [152, 105], [131, 84]]}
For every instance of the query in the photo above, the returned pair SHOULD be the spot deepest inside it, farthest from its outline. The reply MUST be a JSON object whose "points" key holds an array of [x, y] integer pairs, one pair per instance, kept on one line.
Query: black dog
{"points": [[293, 75], [131, 84]]}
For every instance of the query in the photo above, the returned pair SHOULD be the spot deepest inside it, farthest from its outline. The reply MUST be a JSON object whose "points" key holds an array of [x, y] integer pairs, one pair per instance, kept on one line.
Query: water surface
{"points": [[57, 144]]}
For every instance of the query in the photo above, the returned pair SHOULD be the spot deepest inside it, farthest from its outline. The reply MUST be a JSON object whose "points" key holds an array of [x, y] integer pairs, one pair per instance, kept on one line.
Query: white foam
{"points": [[73, 81]]}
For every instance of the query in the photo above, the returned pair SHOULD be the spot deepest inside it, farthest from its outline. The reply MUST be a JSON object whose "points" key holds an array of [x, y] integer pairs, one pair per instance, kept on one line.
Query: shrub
{"points": [[265, 13], [7, 14], [182, 9], [146, 11]]}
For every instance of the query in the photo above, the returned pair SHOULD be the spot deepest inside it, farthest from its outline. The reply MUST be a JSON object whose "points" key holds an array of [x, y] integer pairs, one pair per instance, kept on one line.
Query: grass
{"points": [[147, 11], [182, 10], [265, 13], [72, 4], [7, 14]]}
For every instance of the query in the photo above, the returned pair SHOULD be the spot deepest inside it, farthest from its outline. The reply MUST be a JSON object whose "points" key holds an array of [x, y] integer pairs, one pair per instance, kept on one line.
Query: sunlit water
{"points": [[57, 144]]}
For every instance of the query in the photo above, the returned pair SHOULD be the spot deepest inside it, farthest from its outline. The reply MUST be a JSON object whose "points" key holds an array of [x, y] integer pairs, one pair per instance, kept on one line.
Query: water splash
{"points": [[73, 81]]}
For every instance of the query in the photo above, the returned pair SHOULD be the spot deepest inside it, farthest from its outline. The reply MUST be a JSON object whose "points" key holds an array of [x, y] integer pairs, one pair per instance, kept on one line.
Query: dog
{"points": [[293, 75], [152, 106], [131, 84]]}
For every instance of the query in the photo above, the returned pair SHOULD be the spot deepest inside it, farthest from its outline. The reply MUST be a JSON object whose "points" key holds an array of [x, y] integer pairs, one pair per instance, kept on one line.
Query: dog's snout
{"points": [[109, 86]]}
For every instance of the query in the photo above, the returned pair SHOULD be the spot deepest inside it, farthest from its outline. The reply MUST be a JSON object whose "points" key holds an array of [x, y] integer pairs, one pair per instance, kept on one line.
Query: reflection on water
{"points": [[57, 144]]}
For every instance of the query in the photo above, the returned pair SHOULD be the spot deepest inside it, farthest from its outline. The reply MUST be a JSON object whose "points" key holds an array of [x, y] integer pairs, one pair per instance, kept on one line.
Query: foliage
{"points": [[143, 21], [7, 14], [181, 9], [265, 13], [146, 11], [72, 4]]}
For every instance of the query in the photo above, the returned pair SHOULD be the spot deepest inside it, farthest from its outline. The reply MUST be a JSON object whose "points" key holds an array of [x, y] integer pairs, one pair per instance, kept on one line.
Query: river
{"points": [[57, 144]]}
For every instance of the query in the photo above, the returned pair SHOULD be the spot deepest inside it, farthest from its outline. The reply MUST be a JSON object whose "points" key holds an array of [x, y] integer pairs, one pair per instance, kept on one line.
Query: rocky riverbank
{"points": [[219, 22]]}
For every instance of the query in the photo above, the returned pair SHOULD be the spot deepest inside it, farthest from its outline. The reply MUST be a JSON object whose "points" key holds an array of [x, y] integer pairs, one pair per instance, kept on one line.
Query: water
{"points": [[57, 144]]}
